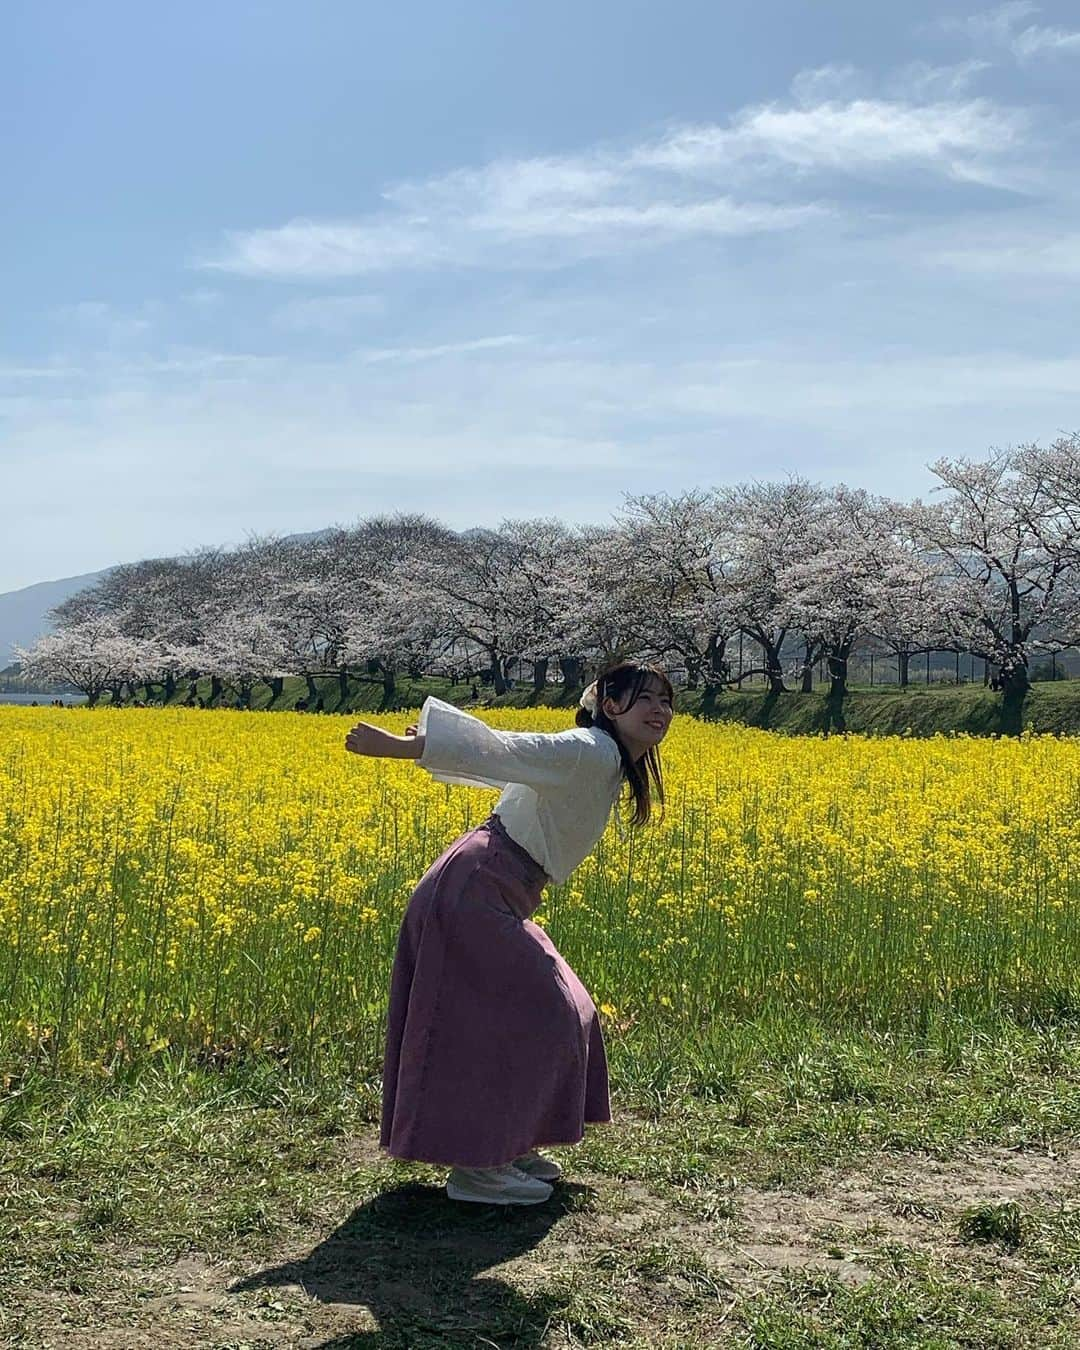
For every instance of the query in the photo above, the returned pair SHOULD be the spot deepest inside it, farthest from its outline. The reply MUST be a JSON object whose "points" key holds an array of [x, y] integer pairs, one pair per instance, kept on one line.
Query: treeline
{"points": [[801, 574]]}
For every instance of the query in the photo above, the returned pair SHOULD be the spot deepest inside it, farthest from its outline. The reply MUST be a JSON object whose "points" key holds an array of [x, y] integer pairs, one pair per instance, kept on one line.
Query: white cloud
{"points": [[1015, 255], [918, 80], [546, 212], [834, 81], [955, 140], [662, 219], [510, 187], [302, 448], [444, 349], [499, 235], [1034, 42], [999, 28], [307, 248]]}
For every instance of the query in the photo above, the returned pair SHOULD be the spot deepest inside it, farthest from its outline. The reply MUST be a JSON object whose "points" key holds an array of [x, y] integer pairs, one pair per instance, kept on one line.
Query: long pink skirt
{"points": [[493, 1045]]}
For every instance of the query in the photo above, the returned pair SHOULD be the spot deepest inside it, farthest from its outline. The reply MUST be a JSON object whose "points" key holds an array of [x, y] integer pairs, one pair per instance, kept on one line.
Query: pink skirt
{"points": [[493, 1045]]}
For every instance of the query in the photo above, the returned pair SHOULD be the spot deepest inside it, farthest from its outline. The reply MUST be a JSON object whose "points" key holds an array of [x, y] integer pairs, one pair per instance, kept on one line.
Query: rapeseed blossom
{"points": [[179, 876]]}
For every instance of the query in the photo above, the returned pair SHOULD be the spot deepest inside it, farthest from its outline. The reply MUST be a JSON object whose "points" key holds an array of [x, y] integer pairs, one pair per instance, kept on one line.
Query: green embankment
{"points": [[920, 711]]}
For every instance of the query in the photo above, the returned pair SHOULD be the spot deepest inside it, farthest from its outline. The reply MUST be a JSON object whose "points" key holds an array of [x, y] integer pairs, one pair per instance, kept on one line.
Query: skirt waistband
{"points": [[493, 824]]}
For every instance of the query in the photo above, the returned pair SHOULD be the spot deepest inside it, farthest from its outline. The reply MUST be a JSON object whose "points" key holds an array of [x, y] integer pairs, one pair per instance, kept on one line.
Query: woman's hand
{"points": [[364, 739]]}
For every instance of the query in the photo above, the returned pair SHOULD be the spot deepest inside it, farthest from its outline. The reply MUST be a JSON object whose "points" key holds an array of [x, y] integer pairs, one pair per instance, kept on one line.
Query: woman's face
{"points": [[646, 722]]}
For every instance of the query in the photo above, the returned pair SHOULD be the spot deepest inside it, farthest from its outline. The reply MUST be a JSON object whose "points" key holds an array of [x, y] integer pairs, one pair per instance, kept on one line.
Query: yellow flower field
{"points": [[229, 878]]}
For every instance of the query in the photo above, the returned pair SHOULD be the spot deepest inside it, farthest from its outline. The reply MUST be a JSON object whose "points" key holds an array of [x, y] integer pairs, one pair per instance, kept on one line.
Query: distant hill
{"points": [[22, 612]]}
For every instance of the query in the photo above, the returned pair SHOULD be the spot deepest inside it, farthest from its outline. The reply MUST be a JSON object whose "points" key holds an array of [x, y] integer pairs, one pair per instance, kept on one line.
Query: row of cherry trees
{"points": [[991, 569]]}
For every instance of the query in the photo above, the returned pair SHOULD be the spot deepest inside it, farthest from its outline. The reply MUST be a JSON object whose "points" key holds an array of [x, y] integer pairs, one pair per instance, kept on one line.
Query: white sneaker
{"points": [[545, 1169], [506, 1185]]}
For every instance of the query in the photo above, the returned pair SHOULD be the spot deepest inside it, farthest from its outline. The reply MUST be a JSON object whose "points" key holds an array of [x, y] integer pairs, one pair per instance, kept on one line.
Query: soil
{"points": [[411, 1253]]}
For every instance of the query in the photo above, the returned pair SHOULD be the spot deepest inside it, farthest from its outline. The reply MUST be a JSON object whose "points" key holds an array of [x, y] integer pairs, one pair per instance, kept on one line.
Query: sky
{"points": [[273, 267]]}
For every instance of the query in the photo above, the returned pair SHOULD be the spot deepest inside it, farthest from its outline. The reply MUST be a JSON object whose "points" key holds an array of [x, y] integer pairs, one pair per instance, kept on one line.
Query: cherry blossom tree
{"points": [[773, 527], [994, 570], [465, 583], [391, 604], [1057, 468], [831, 595], [910, 605], [1010, 533], [539, 590], [92, 656], [606, 611], [156, 601], [241, 647], [680, 558]]}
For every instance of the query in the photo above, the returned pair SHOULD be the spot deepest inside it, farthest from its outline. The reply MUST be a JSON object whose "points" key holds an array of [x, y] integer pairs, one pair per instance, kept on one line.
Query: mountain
{"points": [[22, 612]]}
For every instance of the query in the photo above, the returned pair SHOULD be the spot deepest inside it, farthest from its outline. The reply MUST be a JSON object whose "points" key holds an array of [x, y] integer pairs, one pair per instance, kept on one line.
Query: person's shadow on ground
{"points": [[411, 1257]]}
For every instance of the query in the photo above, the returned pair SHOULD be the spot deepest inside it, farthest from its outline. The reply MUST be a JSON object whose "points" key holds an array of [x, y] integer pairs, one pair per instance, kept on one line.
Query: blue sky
{"points": [[275, 266]]}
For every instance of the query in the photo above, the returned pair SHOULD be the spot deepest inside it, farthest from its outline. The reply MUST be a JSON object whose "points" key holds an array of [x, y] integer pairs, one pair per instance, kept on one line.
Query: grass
{"points": [[920, 710], [840, 1189], [777, 1176]]}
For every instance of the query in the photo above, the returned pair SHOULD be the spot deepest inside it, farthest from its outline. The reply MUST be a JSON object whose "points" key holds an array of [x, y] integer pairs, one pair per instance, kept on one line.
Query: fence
{"points": [[872, 669]]}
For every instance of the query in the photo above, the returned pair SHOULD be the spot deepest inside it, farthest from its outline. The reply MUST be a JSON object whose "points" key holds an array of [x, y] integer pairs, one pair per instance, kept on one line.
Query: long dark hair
{"points": [[613, 683]]}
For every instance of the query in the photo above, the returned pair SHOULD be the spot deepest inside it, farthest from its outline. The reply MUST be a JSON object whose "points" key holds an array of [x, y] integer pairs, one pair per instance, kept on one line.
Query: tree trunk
{"points": [[277, 684], [215, 689], [573, 671], [838, 668], [808, 670], [1015, 681], [905, 661], [343, 685], [774, 669], [312, 692], [715, 668], [497, 678], [539, 675], [389, 684]]}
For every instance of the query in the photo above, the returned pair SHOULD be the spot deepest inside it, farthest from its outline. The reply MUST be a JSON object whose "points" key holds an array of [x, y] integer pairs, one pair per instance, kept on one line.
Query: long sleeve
{"points": [[459, 748]]}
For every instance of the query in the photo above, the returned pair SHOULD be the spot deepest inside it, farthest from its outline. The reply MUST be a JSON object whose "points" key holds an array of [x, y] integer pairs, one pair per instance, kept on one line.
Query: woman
{"points": [[493, 1045]]}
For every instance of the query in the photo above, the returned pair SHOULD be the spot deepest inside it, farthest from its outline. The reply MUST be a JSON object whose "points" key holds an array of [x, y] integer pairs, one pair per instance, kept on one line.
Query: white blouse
{"points": [[558, 788]]}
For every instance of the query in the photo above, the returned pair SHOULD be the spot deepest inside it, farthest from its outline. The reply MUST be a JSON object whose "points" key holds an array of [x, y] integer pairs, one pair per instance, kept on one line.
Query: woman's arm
{"points": [[365, 739], [461, 748]]}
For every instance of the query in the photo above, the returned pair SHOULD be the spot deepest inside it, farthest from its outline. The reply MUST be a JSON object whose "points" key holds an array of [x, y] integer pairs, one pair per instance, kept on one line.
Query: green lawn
{"points": [[800, 1186], [921, 710]]}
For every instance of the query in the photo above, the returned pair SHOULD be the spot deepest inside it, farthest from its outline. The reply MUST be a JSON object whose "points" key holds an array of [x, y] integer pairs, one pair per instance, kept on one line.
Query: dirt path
{"points": [[410, 1257]]}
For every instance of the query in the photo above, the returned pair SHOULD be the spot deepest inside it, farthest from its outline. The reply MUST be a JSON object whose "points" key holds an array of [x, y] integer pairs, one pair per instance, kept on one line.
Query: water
{"points": [[42, 699]]}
